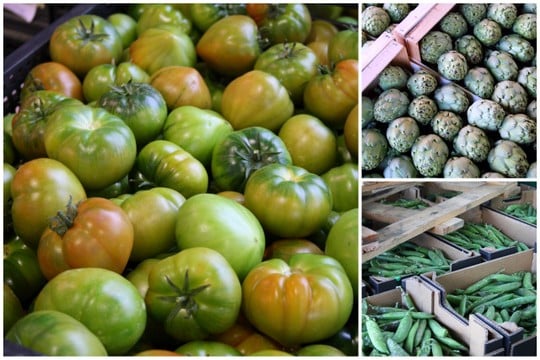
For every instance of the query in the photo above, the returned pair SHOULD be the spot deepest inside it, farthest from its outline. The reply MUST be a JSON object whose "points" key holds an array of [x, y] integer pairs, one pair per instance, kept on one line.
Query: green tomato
{"points": [[288, 200], [125, 26], [343, 45], [29, 123], [85, 41], [99, 80], [163, 163], [153, 214], [342, 244], [161, 46], [319, 350], [292, 63], [242, 152], [162, 14], [343, 183], [313, 145], [221, 224], [207, 348], [96, 145], [141, 107], [194, 293], [113, 308], [285, 22], [53, 333], [204, 15], [256, 98], [196, 130], [13, 309], [21, 270]]}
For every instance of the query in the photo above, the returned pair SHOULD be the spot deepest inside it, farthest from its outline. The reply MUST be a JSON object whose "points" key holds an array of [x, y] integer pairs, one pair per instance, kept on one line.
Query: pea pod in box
{"points": [[419, 255]]}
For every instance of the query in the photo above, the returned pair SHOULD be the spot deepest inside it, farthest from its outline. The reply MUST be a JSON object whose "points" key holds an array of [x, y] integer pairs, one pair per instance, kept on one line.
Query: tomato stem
{"points": [[184, 298], [88, 34], [63, 221]]}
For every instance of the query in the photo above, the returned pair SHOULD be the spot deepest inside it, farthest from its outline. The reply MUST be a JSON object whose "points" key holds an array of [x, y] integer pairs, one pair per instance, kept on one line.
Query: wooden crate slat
{"points": [[405, 229]]}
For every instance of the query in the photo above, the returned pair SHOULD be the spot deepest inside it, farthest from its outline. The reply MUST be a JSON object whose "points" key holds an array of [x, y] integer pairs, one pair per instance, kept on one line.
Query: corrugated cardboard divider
{"points": [[447, 283]]}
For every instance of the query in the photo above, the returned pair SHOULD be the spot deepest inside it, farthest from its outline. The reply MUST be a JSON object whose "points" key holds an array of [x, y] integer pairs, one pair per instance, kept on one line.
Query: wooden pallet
{"points": [[472, 195]]}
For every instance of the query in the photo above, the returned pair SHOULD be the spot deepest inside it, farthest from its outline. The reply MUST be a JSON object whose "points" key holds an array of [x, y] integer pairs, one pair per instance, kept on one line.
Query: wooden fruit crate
{"points": [[405, 226], [383, 52]]}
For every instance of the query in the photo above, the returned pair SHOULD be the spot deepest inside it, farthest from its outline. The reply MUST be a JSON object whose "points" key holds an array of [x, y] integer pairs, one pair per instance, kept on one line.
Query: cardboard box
{"points": [[481, 339], [514, 342], [460, 257], [526, 196], [512, 227]]}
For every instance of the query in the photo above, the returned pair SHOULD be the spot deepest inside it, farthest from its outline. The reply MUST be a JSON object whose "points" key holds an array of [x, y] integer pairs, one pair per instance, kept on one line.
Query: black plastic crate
{"points": [[22, 60]]}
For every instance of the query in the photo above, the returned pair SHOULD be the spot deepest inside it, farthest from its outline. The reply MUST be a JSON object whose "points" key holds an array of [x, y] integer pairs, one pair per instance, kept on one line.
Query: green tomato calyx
{"points": [[87, 33], [184, 298]]}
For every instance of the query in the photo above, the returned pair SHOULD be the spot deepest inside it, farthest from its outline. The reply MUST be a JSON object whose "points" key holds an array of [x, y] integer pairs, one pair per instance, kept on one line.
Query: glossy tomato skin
{"points": [[21, 270], [285, 248], [100, 153], [350, 132], [139, 275], [29, 123], [321, 30], [292, 63], [39, 189], [256, 98], [95, 226], [342, 245], [85, 41], [223, 225], [331, 95], [153, 215], [53, 333], [204, 15], [162, 14], [230, 46], [182, 86], [288, 200], [342, 181], [242, 152], [162, 46], [141, 107], [13, 309], [206, 348], [52, 76], [343, 45], [194, 293], [125, 26], [163, 163], [321, 304], [319, 350], [311, 143], [101, 78], [196, 130], [245, 338], [280, 23], [114, 310]]}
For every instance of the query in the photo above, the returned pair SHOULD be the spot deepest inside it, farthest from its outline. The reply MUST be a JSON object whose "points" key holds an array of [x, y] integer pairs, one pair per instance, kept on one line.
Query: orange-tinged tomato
{"points": [[181, 86], [256, 98], [350, 132], [52, 76], [321, 30], [95, 233]]}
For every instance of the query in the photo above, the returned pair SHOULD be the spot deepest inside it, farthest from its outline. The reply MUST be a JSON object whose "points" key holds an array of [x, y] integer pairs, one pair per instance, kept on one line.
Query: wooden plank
{"points": [[388, 214], [369, 235], [403, 230], [380, 193]]}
